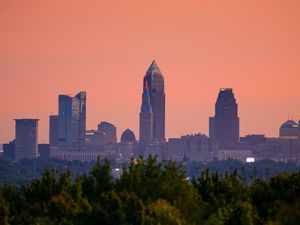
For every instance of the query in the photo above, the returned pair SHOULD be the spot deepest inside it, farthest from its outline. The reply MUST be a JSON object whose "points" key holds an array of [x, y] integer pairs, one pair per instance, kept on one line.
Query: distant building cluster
{"points": [[70, 140]]}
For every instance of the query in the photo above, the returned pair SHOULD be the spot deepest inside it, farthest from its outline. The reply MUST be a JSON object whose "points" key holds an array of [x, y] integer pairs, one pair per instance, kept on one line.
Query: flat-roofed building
{"points": [[26, 139]]}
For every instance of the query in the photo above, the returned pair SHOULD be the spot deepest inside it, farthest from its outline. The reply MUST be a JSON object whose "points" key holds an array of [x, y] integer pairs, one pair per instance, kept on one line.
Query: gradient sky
{"points": [[105, 47]]}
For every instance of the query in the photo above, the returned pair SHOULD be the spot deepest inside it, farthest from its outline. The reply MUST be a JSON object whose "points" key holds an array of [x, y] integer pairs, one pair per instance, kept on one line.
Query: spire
{"points": [[153, 64], [154, 68]]}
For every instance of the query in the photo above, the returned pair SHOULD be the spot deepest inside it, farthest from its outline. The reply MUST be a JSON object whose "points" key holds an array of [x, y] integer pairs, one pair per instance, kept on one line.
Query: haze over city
{"points": [[105, 48]]}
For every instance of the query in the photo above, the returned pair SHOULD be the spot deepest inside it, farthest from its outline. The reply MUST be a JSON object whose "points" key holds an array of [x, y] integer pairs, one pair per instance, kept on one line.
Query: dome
{"points": [[289, 124], [128, 136], [289, 130]]}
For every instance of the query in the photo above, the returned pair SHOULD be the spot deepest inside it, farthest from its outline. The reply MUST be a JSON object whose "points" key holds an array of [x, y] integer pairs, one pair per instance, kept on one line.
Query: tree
{"points": [[162, 213], [4, 212]]}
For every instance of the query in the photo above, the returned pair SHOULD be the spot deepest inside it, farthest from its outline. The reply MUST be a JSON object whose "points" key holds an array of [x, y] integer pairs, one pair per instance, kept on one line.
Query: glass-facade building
{"points": [[72, 121]]}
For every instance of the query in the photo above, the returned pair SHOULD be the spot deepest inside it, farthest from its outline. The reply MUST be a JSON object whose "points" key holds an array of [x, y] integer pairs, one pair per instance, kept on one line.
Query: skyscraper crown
{"points": [[153, 69]]}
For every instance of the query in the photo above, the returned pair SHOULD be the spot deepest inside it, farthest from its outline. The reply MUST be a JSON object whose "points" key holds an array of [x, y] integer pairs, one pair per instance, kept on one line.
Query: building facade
{"points": [[53, 130], [109, 131], [195, 147], [127, 145], [26, 142], [224, 126], [9, 150], [154, 81], [146, 117], [289, 130], [72, 121]]}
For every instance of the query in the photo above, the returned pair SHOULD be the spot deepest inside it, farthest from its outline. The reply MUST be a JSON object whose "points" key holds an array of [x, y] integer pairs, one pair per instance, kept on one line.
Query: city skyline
{"points": [[50, 49], [145, 86]]}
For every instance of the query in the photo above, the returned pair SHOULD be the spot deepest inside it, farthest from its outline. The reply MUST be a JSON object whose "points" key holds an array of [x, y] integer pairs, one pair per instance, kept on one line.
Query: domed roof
{"points": [[128, 136], [289, 124]]}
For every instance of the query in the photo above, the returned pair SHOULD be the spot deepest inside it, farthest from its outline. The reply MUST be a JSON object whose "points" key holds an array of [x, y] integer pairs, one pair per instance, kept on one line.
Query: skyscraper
{"points": [[154, 81], [26, 139], [146, 117], [224, 126], [72, 121], [53, 130]]}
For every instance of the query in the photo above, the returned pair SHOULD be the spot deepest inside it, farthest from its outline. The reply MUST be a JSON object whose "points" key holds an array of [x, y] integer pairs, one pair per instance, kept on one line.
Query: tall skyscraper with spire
{"points": [[146, 117], [224, 126], [154, 84]]}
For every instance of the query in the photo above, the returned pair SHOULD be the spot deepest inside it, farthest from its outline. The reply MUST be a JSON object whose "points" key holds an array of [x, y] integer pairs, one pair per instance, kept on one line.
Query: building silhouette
{"points": [[289, 130], [128, 145], [109, 131], [26, 142], [104, 139], [128, 136], [299, 135], [146, 117], [72, 121], [9, 150], [154, 82], [224, 126], [53, 130]]}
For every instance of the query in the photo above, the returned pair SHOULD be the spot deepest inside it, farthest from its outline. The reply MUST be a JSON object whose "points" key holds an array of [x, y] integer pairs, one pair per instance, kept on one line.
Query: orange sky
{"points": [[105, 48]]}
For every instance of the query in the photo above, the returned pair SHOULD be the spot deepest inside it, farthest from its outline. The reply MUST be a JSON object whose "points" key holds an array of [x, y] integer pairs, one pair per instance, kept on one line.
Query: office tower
{"points": [[26, 138], [155, 84], [72, 121], [53, 130], [146, 117], [224, 126], [109, 131]]}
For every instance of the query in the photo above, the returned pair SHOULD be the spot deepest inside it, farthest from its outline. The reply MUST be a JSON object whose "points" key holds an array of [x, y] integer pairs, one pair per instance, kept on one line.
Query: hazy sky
{"points": [[105, 47]]}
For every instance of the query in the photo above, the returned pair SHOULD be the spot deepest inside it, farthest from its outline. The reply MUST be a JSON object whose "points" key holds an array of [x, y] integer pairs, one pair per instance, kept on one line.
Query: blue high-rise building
{"points": [[72, 121]]}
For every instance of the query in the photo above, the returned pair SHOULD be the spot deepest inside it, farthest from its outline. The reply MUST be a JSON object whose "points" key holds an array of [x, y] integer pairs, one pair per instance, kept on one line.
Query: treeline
{"points": [[24, 171], [150, 193], [263, 169]]}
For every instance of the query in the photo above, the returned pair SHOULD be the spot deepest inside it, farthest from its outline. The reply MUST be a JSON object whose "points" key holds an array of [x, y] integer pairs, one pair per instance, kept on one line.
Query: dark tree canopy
{"points": [[149, 193]]}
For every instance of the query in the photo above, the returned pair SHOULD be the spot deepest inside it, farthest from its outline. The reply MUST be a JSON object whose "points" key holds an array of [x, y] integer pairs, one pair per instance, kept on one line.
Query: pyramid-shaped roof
{"points": [[154, 68]]}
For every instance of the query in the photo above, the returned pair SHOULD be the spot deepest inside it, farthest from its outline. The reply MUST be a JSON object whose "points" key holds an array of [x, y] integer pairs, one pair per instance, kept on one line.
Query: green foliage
{"points": [[151, 180], [98, 181], [162, 213], [151, 192], [4, 212]]}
